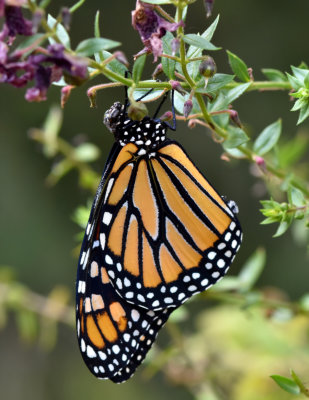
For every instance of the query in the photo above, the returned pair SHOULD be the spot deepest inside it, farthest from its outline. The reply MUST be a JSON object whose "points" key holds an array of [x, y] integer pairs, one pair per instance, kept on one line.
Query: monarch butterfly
{"points": [[158, 233]]}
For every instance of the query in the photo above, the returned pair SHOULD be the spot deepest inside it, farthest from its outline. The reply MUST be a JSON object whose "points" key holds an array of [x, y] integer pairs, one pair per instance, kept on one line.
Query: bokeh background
{"points": [[38, 234]]}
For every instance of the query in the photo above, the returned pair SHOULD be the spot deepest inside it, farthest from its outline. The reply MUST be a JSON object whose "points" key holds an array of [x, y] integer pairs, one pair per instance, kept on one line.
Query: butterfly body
{"points": [[158, 233]]}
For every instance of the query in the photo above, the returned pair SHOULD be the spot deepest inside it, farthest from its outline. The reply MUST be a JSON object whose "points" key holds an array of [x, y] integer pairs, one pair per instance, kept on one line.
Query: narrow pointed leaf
{"points": [[238, 66], [60, 31], [267, 138], [303, 114], [286, 384], [199, 41], [274, 75], [138, 68], [88, 47]]}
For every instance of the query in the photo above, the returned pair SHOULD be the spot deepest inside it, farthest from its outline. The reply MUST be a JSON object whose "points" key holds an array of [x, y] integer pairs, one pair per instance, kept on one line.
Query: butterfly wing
{"points": [[166, 234], [114, 336]]}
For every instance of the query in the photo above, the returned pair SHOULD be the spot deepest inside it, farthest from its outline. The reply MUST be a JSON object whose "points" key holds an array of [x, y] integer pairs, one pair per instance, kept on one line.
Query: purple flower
{"points": [[151, 28], [12, 70], [15, 23], [44, 68], [74, 68]]}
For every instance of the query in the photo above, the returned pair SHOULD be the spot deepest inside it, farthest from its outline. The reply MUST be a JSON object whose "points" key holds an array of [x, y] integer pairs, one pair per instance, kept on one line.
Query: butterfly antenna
{"points": [[172, 127]]}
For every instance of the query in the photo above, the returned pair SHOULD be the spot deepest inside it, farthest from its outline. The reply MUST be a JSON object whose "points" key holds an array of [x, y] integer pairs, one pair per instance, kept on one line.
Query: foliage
{"points": [[272, 326]]}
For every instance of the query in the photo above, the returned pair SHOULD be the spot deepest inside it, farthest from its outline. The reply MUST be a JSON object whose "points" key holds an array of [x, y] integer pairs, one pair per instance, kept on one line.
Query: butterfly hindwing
{"points": [[114, 336]]}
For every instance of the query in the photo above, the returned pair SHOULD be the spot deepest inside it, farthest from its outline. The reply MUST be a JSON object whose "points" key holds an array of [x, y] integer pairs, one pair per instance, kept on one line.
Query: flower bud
{"points": [[66, 17], [137, 111], [167, 116], [187, 108], [158, 70], [235, 118], [121, 57], [177, 86], [259, 161], [92, 96], [208, 67], [65, 94], [36, 20], [208, 6]]}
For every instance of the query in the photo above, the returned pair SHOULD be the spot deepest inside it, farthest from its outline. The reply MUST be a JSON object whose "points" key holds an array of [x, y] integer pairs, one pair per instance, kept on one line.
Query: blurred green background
{"points": [[37, 232]]}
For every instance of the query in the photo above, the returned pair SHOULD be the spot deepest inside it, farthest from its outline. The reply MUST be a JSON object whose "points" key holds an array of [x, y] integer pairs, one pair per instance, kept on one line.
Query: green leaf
{"points": [[296, 197], [300, 103], [292, 151], [30, 40], [59, 170], [236, 137], [306, 81], [284, 224], [304, 114], [60, 31], [274, 75], [286, 384], [252, 269], [50, 131], [97, 32], [215, 83], [227, 284], [238, 66], [226, 97], [86, 152], [138, 67], [267, 138], [200, 42], [115, 65], [299, 73], [81, 215], [44, 3], [88, 47], [208, 34], [168, 64], [295, 83], [139, 92]]}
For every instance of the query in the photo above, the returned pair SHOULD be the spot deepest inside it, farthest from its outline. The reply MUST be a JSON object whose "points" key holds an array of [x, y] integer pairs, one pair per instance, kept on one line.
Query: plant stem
{"points": [[262, 85]]}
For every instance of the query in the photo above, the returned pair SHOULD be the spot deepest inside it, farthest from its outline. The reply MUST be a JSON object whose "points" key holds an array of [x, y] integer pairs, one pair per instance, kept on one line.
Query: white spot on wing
{"points": [[102, 240], [90, 352], [86, 259], [108, 188], [107, 217]]}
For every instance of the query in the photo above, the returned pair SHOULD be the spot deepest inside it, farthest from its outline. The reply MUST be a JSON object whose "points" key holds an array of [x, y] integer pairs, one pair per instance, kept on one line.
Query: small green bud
{"points": [[137, 111], [208, 67]]}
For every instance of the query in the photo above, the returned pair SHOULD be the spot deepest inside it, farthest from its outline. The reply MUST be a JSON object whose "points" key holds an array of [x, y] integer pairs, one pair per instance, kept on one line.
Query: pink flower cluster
{"points": [[41, 65]]}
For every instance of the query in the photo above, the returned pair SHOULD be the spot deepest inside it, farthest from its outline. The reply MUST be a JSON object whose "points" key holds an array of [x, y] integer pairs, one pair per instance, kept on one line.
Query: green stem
{"points": [[262, 85]]}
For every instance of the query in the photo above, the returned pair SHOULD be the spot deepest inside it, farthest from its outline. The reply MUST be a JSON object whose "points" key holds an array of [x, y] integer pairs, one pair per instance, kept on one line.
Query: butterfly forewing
{"points": [[167, 234]]}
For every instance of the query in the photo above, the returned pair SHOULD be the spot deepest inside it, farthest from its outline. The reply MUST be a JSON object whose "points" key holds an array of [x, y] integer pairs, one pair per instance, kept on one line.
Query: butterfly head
{"points": [[113, 116], [146, 134]]}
